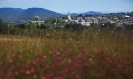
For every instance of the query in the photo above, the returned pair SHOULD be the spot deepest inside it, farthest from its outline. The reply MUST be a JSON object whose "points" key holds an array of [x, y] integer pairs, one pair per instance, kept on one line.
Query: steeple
{"points": [[69, 16]]}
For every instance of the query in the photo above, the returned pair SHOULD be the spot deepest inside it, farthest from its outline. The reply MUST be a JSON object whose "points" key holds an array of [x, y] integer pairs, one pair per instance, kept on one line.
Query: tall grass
{"points": [[93, 54]]}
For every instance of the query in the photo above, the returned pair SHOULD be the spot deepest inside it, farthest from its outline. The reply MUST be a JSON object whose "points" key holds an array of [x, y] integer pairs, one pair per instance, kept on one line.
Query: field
{"points": [[93, 54]]}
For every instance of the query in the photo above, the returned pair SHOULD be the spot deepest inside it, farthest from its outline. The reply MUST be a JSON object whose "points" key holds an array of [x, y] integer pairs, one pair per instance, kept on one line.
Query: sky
{"points": [[74, 6]]}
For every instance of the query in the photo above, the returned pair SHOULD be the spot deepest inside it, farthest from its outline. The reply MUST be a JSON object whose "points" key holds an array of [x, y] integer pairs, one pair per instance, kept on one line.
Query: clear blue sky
{"points": [[74, 6]]}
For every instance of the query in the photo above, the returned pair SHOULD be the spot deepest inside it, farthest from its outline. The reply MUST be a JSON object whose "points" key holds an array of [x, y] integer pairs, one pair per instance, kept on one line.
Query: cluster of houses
{"points": [[116, 19], [119, 20]]}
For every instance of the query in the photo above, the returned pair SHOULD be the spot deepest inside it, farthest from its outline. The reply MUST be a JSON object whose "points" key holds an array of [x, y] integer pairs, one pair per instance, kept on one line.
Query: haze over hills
{"points": [[18, 14]]}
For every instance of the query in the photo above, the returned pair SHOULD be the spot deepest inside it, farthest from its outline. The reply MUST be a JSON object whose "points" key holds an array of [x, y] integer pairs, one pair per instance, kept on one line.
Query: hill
{"points": [[9, 14], [91, 13], [18, 14], [86, 13]]}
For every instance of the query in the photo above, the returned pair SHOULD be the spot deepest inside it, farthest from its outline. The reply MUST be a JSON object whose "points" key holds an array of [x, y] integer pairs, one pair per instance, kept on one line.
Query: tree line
{"points": [[50, 24]]}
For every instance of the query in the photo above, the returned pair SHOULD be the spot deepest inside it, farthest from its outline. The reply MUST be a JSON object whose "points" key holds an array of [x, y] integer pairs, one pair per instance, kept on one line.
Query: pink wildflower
{"points": [[50, 52], [61, 77], [10, 61], [16, 73], [85, 65], [34, 62], [21, 71], [32, 70], [27, 65], [101, 52]]}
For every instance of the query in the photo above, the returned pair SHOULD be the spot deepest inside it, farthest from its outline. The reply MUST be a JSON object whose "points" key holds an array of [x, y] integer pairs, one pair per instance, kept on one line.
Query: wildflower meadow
{"points": [[93, 54]]}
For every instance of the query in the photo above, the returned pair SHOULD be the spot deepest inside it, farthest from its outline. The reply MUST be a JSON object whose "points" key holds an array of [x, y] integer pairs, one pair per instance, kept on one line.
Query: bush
{"points": [[74, 27]]}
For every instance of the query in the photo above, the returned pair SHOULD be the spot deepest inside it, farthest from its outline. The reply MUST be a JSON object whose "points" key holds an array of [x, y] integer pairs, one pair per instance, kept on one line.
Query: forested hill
{"points": [[18, 14]]}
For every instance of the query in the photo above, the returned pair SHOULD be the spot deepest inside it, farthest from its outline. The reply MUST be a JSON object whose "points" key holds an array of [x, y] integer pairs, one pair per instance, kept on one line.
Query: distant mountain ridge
{"points": [[18, 14], [88, 13], [9, 14], [91, 13]]}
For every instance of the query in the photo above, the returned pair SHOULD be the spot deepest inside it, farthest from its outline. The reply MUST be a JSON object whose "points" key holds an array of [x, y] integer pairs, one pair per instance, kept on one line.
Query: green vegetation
{"points": [[1, 25]]}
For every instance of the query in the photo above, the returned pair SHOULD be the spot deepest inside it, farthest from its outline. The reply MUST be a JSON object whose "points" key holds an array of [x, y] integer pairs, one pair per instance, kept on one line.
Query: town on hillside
{"points": [[115, 19]]}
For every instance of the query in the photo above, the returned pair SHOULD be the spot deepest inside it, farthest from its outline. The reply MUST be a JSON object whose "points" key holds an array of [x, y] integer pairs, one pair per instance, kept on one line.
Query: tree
{"points": [[21, 26], [74, 27], [43, 26], [1, 25], [54, 22], [120, 17], [80, 15]]}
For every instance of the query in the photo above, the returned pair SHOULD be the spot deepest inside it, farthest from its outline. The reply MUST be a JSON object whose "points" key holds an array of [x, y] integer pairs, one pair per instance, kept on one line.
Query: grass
{"points": [[94, 54]]}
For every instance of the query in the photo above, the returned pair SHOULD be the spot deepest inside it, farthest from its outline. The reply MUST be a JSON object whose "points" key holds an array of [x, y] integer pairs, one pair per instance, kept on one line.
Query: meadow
{"points": [[93, 54]]}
